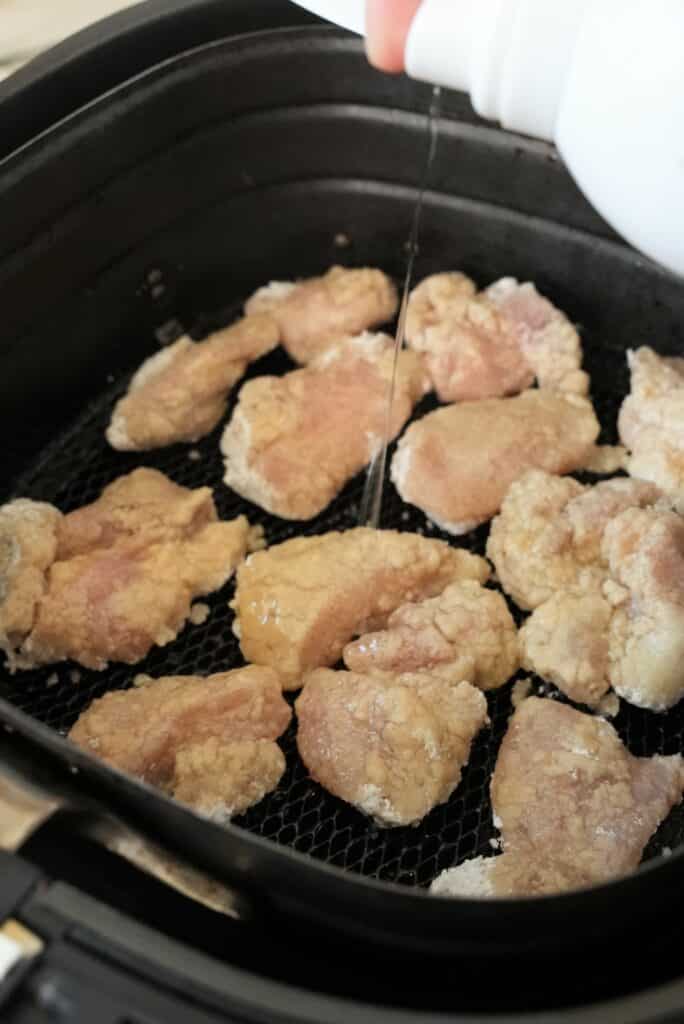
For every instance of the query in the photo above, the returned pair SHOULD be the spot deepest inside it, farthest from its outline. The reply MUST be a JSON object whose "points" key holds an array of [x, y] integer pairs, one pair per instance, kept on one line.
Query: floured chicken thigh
{"points": [[393, 746], [298, 603], [124, 573], [313, 314], [294, 441], [575, 808], [181, 393], [28, 545], [549, 342], [456, 464], [651, 421], [629, 634], [470, 350], [209, 742], [566, 642], [645, 551], [548, 534], [492, 344], [467, 633]]}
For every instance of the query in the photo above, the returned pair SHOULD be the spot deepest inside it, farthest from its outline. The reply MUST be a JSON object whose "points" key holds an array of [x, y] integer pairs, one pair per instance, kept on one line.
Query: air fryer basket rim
{"points": [[651, 886]]}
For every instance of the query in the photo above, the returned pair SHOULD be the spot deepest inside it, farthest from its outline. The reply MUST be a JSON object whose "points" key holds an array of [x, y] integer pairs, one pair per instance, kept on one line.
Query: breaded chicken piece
{"points": [[207, 741], [313, 314], [456, 464], [220, 780], [393, 746], [28, 545], [181, 392], [548, 535], [470, 350], [651, 421], [492, 344], [141, 508], [294, 441], [644, 549], [549, 342], [467, 633], [298, 603], [575, 808], [125, 572], [565, 641]]}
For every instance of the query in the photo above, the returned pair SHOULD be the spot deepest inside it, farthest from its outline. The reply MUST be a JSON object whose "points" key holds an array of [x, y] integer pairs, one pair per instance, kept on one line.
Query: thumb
{"points": [[387, 27]]}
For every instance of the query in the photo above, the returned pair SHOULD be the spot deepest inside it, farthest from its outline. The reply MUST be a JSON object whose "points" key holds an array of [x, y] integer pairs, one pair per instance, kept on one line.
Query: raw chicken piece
{"points": [[467, 633], [566, 642], [294, 441], [28, 544], [456, 464], [549, 342], [469, 349], [142, 508], [651, 421], [548, 535], [314, 314], [125, 572], [181, 392], [220, 780], [207, 741], [298, 603], [575, 808], [393, 746], [645, 551]]}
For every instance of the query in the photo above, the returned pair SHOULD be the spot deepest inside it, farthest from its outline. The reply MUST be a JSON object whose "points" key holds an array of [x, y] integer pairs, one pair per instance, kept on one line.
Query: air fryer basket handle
{"points": [[28, 800]]}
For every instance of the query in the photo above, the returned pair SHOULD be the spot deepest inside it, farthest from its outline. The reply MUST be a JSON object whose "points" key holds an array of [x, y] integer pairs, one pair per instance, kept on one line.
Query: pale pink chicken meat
{"points": [[466, 633], [548, 534], [645, 552], [393, 746], [574, 807], [492, 344], [469, 349], [651, 421], [549, 342], [299, 603], [28, 546], [314, 314], [123, 573], [457, 464], [209, 742], [294, 441], [181, 392]]}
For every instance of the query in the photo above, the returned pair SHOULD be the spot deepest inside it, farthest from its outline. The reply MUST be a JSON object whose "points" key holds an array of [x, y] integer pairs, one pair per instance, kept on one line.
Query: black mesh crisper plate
{"points": [[299, 813]]}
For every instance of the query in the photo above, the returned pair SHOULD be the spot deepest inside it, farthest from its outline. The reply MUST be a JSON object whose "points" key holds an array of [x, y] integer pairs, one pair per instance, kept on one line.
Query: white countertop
{"points": [[29, 26]]}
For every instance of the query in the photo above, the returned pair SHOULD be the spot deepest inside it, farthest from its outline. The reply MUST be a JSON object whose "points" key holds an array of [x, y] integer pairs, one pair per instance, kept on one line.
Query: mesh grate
{"points": [[73, 471]]}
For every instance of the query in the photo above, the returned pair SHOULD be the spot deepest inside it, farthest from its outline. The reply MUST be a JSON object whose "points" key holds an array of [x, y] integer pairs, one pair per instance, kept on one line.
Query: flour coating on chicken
{"points": [[314, 314], [456, 464], [548, 535], [28, 545], [299, 603], [393, 746], [209, 742], [466, 633], [123, 573], [469, 349], [492, 344], [651, 421], [294, 441], [181, 393], [575, 808]]}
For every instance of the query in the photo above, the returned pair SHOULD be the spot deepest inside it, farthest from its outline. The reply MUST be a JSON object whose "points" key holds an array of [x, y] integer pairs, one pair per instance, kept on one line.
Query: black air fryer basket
{"points": [[183, 181]]}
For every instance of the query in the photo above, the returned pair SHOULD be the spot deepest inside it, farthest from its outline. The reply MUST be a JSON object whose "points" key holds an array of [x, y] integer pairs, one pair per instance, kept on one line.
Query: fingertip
{"points": [[387, 27]]}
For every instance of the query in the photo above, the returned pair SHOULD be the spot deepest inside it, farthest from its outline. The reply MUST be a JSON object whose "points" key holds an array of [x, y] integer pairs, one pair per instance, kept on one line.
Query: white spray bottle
{"points": [[603, 79]]}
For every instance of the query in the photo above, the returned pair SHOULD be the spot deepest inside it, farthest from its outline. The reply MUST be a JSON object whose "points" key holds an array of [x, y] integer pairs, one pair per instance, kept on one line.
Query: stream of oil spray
{"points": [[371, 504]]}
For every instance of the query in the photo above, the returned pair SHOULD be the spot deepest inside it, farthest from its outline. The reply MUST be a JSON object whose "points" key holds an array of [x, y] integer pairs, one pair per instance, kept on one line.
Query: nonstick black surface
{"points": [[77, 465]]}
